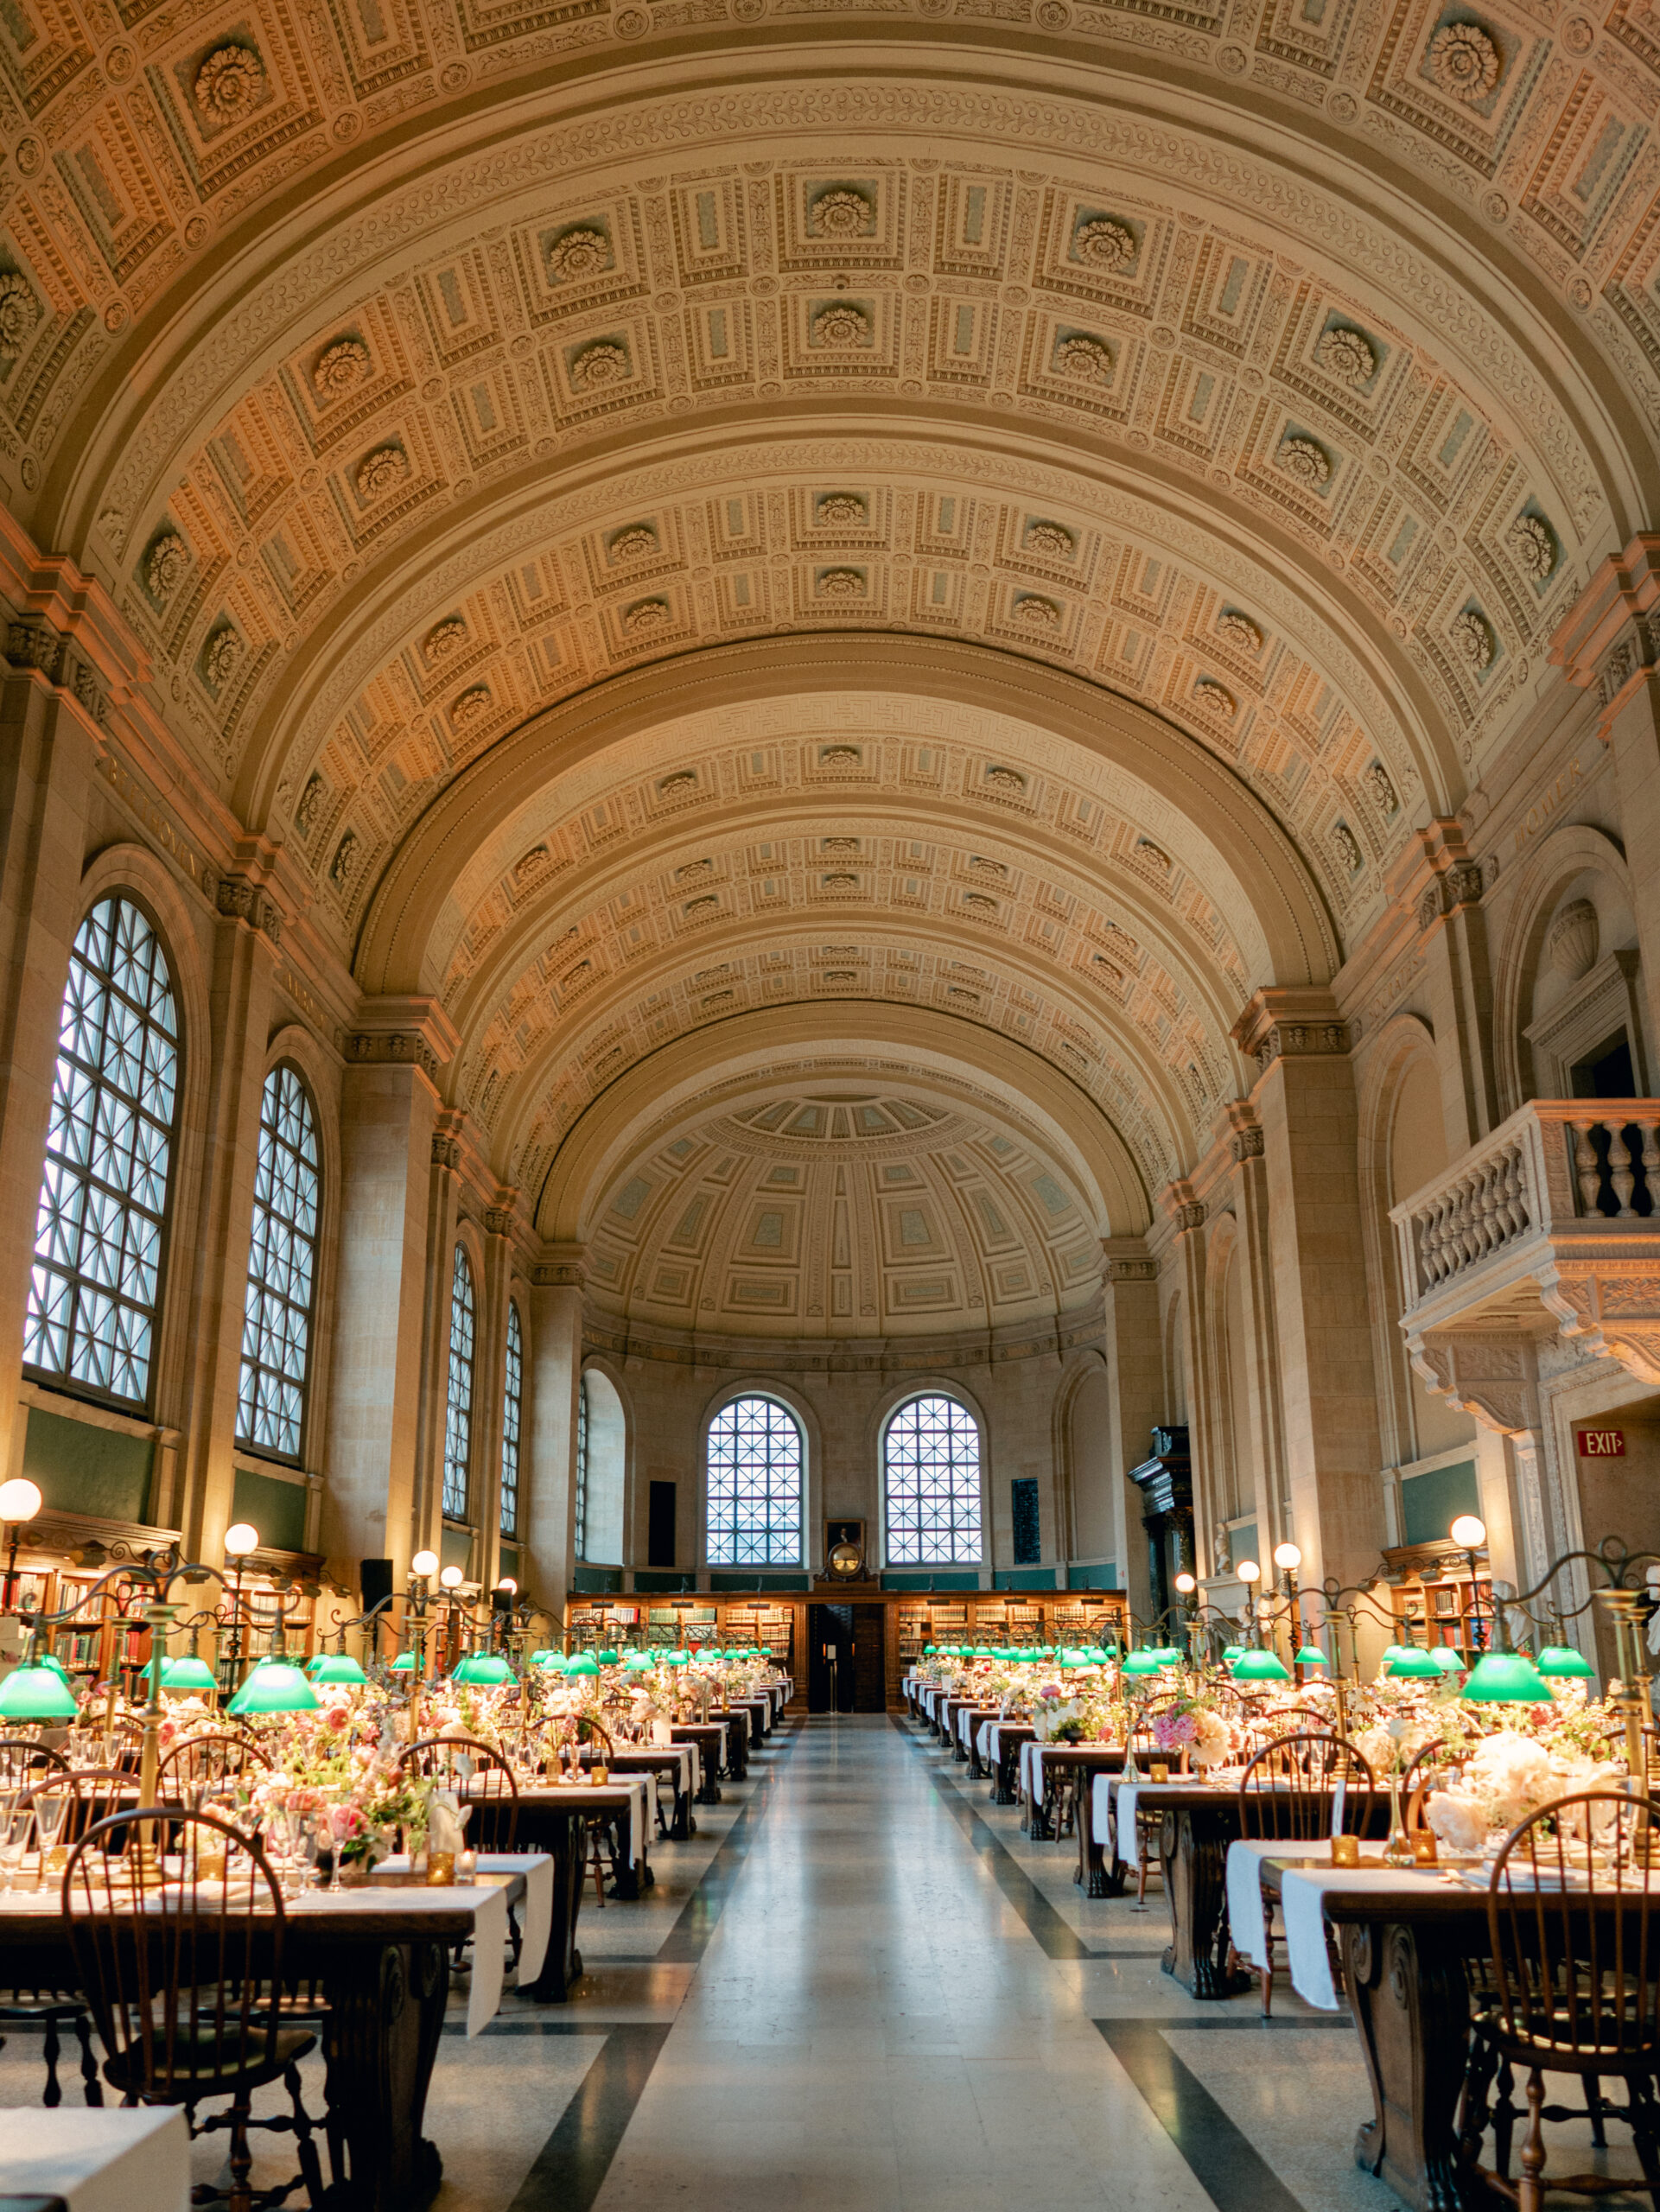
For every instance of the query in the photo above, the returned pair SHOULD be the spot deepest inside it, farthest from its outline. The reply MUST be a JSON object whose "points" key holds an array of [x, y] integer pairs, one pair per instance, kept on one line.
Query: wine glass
{"points": [[15, 1827]]}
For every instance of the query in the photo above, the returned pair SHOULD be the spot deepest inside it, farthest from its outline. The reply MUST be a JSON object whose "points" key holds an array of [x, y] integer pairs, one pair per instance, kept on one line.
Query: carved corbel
{"points": [[1608, 1314], [1495, 1378]]}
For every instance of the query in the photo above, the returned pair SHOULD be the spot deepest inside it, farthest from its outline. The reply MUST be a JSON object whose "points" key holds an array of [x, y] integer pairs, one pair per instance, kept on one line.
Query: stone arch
{"points": [[1576, 863]]}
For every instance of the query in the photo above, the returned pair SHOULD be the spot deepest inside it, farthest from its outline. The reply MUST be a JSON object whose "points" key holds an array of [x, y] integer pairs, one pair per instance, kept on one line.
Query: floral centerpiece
{"points": [[1510, 1776]]}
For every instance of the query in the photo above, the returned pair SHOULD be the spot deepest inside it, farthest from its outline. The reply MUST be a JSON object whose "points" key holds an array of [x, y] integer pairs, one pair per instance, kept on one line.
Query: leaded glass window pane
{"points": [[458, 1404], [754, 1486], [512, 1415], [282, 1270], [931, 1472], [95, 1284], [581, 1469]]}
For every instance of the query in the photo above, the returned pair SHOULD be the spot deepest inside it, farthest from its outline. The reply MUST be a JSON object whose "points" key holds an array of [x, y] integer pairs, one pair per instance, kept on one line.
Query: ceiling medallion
{"points": [[379, 471], [1304, 463], [841, 324], [1463, 62], [1344, 355], [230, 83], [634, 542], [578, 254], [1052, 538], [602, 363], [842, 507], [842, 213], [19, 313], [842, 584], [1535, 548], [1214, 699], [1103, 243], [223, 656], [1239, 630], [164, 571], [1034, 614], [339, 366], [647, 614], [446, 638], [1089, 359], [470, 706], [1472, 635]]}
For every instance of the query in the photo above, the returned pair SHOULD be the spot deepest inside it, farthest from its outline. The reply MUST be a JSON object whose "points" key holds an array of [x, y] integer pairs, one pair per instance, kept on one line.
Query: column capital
{"points": [[1609, 641], [413, 1029], [499, 1216], [562, 1267], [1282, 1021], [1243, 1131], [1126, 1259], [1184, 1211]]}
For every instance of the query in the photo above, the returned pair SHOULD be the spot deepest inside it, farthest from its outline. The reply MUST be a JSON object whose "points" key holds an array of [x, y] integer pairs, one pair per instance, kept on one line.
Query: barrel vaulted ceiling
{"points": [[1011, 514]]}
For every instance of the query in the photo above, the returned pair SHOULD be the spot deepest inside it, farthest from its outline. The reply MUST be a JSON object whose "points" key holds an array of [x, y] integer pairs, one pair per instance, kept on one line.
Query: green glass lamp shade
{"points": [[1260, 1667], [1412, 1665], [1141, 1662], [405, 1663], [1561, 1663], [1506, 1678], [674, 1658], [927, 1650], [274, 1686], [189, 1672], [1448, 1660], [51, 1659], [541, 1658], [606, 1658], [1391, 1653], [551, 1663], [583, 1663], [341, 1669], [36, 1692], [485, 1669], [1168, 1656]]}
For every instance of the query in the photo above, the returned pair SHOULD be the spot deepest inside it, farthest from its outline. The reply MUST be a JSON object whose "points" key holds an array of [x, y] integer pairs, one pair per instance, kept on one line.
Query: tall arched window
{"points": [[754, 1486], [95, 1285], [458, 1404], [513, 1409], [281, 1271], [582, 1468], [931, 1485]]}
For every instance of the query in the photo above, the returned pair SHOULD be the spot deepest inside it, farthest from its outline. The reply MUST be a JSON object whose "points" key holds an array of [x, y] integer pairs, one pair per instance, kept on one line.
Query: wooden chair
{"points": [[52, 2010], [22, 1763], [1286, 1797], [480, 1776], [1575, 1989], [205, 1762], [185, 1995]]}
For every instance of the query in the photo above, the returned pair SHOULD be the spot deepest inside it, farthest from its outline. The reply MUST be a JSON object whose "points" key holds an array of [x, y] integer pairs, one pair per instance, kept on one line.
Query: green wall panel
{"points": [[277, 1508], [82, 1468], [1430, 1504]]}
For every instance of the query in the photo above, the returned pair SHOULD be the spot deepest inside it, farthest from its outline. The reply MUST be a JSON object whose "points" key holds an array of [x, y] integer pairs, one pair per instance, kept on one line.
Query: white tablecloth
{"points": [[489, 1906], [1303, 1902], [97, 2160], [1247, 1912], [1102, 1802]]}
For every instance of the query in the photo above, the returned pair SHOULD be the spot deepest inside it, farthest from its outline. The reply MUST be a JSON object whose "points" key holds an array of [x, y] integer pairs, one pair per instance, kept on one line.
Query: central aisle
{"points": [[874, 2028]]}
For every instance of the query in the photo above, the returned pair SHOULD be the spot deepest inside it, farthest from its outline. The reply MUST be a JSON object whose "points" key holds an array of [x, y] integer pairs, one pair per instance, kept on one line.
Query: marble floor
{"points": [[859, 1987]]}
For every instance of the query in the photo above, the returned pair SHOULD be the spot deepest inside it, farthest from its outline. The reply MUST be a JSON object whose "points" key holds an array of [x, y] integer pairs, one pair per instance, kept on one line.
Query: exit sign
{"points": [[1602, 1443]]}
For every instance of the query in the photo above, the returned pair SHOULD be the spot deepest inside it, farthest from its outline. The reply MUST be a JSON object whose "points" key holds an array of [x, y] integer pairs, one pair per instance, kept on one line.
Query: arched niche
{"points": [[1568, 993], [603, 1471]]}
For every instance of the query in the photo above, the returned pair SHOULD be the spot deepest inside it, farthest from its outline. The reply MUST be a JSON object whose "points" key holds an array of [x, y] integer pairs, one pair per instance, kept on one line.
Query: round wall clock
{"points": [[846, 1561]]}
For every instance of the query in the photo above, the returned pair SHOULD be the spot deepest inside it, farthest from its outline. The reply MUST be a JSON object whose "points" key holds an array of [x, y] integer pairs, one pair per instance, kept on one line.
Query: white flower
{"points": [[1512, 1772], [1458, 1818]]}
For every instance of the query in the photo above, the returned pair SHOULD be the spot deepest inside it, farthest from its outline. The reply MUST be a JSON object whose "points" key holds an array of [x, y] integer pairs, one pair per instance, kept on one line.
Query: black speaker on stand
{"points": [[374, 1583]]}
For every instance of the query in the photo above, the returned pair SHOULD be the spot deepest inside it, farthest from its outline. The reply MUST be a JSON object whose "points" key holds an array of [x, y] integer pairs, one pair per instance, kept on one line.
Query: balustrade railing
{"points": [[1555, 1162]]}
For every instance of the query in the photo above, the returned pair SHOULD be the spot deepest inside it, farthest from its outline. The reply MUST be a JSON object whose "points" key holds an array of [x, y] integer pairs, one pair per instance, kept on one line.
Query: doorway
{"points": [[869, 1658], [829, 1658]]}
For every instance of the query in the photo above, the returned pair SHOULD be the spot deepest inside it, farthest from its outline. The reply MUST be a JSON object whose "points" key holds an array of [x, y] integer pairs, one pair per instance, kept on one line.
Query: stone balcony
{"points": [[1551, 1224]]}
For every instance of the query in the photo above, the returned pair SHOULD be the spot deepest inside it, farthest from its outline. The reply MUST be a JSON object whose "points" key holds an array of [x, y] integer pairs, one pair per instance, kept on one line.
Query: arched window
{"points": [[931, 1485], [512, 1408], [458, 1405], [754, 1486], [582, 1468], [282, 1270], [95, 1285]]}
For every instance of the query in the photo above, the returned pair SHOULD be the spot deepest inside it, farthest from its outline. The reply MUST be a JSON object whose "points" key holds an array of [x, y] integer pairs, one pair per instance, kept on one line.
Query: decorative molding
{"points": [[1246, 1144], [445, 1152], [237, 899]]}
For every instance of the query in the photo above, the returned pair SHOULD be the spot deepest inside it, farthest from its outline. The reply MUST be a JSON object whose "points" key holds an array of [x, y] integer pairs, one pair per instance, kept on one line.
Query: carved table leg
{"points": [[1195, 1855], [564, 1838], [1410, 1999], [386, 2013]]}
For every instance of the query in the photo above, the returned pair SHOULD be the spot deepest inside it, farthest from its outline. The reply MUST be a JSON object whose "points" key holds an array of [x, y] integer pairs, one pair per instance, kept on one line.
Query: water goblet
{"points": [[14, 1829]]}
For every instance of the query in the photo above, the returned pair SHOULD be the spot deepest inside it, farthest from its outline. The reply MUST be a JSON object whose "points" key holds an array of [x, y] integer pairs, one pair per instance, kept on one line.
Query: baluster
{"points": [[1512, 1208], [1585, 1164], [1470, 1218], [1651, 1166], [1428, 1248], [1492, 1228], [1621, 1177]]}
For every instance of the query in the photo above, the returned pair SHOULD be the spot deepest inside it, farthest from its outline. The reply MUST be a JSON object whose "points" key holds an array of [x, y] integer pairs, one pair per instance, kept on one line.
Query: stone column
{"points": [[1609, 643], [48, 747], [549, 1521], [1440, 883], [437, 1276], [1249, 1180], [243, 966], [1304, 1102], [389, 1109], [1188, 1214], [1135, 1375]]}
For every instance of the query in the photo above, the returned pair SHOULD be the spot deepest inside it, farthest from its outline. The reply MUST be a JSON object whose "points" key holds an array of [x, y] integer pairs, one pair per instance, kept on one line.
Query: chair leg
{"points": [[1530, 2190], [1503, 2121], [240, 2197], [1266, 1975], [1472, 2123], [91, 2088], [1596, 2107], [310, 2167], [1644, 2117], [54, 2048]]}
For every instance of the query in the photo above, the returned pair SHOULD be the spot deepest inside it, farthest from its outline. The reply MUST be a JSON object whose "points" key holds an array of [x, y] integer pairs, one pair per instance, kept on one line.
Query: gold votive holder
{"points": [[1423, 1848], [1345, 1851], [599, 1774], [441, 1869], [1158, 1771]]}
